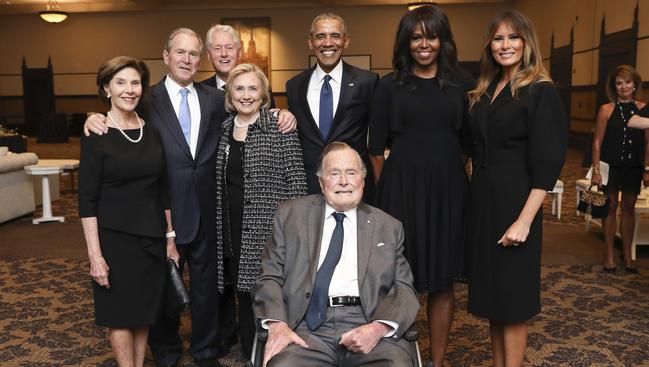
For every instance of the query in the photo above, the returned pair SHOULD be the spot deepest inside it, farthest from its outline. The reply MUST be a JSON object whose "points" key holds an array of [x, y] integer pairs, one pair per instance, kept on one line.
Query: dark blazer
{"points": [[192, 181], [211, 81], [289, 265], [349, 125]]}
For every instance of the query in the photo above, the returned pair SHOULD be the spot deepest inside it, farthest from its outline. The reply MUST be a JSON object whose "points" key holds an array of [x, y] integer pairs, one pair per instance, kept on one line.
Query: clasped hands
{"points": [[358, 340]]}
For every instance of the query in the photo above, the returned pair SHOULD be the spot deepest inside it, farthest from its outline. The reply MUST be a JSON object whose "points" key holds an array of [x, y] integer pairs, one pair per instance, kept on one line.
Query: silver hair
{"points": [[178, 31], [334, 147], [225, 29]]}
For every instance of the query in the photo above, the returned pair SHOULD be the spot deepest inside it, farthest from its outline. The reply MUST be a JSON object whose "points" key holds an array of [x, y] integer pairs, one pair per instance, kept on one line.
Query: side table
{"points": [[43, 171]]}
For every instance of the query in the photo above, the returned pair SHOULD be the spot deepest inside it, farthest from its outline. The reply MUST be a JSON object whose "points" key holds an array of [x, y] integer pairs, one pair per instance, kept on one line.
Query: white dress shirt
{"points": [[315, 85], [220, 83], [344, 281], [173, 89]]}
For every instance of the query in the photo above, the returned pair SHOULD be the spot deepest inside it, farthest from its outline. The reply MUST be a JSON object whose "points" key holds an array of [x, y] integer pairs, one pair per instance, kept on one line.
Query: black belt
{"points": [[344, 301]]}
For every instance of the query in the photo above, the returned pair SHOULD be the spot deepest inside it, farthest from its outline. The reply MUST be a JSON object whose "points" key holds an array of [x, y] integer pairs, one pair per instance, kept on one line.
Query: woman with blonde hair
{"points": [[258, 167], [520, 137], [625, 150]]}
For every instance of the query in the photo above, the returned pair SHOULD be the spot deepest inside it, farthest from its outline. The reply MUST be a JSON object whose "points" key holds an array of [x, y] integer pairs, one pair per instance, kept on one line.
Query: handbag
{"points": [[594, 203], [177, 297]]}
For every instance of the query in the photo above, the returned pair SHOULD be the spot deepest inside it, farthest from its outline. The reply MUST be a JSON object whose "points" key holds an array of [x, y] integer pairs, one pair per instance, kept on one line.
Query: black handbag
{"points": [[595, 203], [177, 297]]}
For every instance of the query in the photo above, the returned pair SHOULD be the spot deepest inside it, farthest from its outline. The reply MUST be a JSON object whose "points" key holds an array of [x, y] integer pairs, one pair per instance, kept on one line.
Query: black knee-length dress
{"points": [[519, 144], [124, 185], [423, 183]]}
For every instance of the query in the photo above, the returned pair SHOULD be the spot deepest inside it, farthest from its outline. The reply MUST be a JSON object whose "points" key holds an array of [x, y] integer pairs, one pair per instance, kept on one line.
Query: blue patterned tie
{"points": [[326, 108], [184, 117], [316, 313]]}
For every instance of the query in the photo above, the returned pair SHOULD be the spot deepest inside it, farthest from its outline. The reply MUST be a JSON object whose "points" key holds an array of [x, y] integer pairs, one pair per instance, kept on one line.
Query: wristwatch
{"points": [[171, 234]]}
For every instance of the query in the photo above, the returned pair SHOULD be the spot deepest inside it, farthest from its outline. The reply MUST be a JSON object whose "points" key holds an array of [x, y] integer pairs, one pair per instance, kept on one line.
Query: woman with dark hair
{"points": [[418, 113], [625, 150], [520, 133], [124, 210]]}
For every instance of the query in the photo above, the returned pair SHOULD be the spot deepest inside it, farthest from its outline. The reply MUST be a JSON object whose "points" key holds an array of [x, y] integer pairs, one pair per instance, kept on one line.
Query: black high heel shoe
{"points": [[610, 270]]}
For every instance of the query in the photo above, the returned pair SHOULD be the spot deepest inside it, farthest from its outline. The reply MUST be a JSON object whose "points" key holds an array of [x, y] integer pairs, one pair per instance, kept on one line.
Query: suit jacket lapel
{"points": [[203, 101], [162, 104], [365, 230], [346, 93], [304, 102], [315, 223]]}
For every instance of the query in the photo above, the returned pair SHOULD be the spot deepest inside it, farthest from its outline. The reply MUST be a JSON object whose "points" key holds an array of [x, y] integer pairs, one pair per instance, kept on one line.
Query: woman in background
{"points": [[258, 167], [418, 112], [625, 150], [520, 132], [124, 210]]}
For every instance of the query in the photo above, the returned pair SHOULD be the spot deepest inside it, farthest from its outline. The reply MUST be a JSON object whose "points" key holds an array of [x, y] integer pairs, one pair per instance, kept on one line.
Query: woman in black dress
{"points": [[520, 134], [418, 112], [124, 210], [625, 150], [258, 167]]}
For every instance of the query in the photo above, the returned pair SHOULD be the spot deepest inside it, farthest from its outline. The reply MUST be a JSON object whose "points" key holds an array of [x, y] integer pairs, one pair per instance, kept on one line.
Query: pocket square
{"points": [[380, 244]]}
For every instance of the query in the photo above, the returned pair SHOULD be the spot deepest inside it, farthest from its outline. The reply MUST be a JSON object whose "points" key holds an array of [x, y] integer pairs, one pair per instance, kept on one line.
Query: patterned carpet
{"points": [[589, 319]]}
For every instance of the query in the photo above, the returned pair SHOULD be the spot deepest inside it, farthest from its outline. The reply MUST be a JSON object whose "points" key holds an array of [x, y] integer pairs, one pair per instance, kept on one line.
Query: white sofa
{"points": [[16, 187]]}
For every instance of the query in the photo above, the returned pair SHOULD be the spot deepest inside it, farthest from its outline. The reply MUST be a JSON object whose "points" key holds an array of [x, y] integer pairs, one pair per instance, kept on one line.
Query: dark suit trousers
{"points": [[324, 349], [166, 345]]}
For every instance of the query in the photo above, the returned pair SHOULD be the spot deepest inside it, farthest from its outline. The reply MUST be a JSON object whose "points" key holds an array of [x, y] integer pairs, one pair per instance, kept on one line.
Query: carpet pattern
{"points": [[589, 319]]}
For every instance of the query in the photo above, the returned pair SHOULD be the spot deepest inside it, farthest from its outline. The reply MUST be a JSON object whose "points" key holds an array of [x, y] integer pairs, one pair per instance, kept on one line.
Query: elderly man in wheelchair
{"points": [[335, 288]]}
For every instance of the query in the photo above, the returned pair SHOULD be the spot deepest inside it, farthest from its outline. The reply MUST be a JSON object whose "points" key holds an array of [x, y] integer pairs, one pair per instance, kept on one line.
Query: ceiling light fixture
{"points": [[416, 4], [53, 13]]}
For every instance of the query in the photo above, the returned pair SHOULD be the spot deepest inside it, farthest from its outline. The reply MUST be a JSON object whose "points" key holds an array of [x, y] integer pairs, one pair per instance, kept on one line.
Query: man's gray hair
{"points": [[178, 31], [327, 15], [334, 147], [225, 29]]}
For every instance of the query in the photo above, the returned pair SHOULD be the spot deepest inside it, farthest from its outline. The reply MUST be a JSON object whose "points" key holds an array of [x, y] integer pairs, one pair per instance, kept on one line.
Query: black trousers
{"points": [[165, 344]]}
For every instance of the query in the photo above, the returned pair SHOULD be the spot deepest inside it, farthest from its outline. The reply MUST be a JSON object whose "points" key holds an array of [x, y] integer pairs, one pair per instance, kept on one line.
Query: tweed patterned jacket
{"points": [[273, 172]]}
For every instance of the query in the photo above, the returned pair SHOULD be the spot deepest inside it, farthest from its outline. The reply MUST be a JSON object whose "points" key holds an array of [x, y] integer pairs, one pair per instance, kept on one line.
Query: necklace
{"points": [[122, 131], [627, 140], [243, 126]]}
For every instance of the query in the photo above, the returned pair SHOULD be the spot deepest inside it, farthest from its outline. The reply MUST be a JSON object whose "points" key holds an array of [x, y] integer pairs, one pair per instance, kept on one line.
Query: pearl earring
{"points": [[108, 95]]}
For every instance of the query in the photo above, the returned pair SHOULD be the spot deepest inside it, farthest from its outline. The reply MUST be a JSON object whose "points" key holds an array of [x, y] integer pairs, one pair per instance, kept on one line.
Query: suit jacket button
{"points": [[484, 165], [308, 295], [475, 142]]}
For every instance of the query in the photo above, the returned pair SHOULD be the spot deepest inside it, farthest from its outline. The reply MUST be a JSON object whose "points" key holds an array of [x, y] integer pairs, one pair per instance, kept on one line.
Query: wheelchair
{"points": [[261, 336]]}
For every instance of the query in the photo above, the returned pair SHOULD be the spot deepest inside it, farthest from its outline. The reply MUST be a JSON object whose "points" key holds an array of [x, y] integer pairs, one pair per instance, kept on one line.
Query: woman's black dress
{"points": [[423, 182], [623, 149], [124, 185], [519, 144]]}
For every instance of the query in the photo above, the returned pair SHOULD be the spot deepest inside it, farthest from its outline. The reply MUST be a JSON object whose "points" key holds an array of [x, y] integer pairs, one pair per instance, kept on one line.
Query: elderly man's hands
{"points": [[95, 123], [279, 337], [365, 337]]}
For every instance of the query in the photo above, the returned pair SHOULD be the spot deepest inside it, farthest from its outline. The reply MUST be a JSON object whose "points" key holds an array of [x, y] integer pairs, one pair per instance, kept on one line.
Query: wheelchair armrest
{"points": [[411, 335]]}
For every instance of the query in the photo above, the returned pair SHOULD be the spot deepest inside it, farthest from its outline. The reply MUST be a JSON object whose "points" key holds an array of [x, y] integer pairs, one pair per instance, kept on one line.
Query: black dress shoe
{"points": [[630, 270], [610, 270]]}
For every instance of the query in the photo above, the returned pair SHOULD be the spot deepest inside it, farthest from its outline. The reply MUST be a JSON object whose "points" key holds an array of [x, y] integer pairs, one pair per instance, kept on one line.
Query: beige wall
{"points": [[82, 42]]}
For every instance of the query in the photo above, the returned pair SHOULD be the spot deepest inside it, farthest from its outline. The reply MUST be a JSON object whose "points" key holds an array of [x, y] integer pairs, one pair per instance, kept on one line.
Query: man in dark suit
{"points": [[224, 51], [335, 287], [189, 116], [331, 100]]}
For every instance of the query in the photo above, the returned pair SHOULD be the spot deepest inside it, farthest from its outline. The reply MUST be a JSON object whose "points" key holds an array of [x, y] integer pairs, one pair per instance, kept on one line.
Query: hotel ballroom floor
{"points": [[589, 318]]}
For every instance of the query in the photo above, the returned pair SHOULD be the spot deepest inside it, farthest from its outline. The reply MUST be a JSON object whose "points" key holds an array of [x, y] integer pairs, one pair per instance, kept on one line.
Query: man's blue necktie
{"points": [[316, 313], [184, 117], [326, 108]]}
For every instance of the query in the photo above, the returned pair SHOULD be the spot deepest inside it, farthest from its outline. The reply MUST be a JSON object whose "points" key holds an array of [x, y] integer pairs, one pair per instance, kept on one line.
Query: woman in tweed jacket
{"points": [[257, 168]]}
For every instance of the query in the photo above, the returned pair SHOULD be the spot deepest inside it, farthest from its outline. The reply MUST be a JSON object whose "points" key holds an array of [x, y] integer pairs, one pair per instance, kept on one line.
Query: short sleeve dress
{"points": [[519, 144], [423, 183]]}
